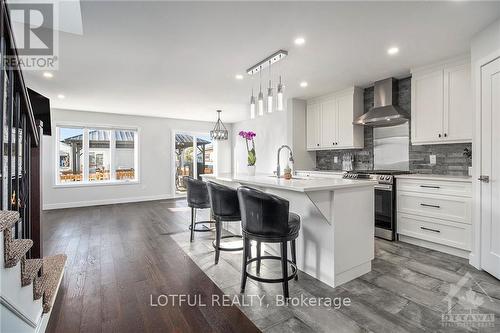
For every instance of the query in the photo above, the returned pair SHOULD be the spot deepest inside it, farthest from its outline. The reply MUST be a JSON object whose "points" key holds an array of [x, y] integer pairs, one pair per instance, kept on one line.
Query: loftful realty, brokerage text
{"points": [[198, 300]]}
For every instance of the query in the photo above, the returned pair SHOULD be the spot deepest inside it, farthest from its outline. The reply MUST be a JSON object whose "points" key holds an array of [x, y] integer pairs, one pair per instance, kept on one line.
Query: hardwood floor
{"points": [[120, 258], [119, 255]]}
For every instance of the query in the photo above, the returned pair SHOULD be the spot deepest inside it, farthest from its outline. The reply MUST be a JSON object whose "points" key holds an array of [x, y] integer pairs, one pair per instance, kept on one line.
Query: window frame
{"points": [[85, 182]]}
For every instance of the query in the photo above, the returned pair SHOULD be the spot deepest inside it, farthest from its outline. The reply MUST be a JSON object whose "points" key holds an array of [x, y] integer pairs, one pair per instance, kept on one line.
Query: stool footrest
{"points": [[204, 228], [260, 279], [230, 249]]}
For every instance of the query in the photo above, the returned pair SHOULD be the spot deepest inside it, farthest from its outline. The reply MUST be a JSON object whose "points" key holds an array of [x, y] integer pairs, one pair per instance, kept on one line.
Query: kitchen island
{"points": [[336, 240]]}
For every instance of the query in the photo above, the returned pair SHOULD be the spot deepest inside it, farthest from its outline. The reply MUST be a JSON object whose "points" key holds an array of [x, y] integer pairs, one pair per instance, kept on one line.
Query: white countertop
{"points": [[436, 177], [298, 185]]}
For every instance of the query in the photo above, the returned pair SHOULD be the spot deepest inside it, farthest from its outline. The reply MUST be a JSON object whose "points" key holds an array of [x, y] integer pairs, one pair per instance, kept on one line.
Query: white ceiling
{"points": [[179, 60]]}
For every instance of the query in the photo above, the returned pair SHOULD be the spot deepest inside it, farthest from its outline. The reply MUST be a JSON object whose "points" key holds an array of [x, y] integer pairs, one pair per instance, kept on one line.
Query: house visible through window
{"points": [[93, 155]]}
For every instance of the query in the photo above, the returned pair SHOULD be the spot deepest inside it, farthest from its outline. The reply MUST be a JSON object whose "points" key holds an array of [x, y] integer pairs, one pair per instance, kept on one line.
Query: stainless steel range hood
{"points": [[385, 111]]}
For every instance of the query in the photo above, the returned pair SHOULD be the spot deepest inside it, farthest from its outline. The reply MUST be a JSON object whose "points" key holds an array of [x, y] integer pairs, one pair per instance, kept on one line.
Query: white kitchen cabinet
{"points": [[313, 123], [457, 121], [435, 213], [427, 108], [328, 117], [441, 98], [329, 121]]}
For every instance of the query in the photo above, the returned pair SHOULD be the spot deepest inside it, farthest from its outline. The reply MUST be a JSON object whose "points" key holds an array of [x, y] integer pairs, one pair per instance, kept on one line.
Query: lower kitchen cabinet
{"points": [[435, 213]]}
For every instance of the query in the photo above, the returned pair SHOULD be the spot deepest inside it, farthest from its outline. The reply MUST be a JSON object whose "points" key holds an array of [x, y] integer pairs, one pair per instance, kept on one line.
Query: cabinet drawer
{"points": [[435, 187], [456, 235], [455, 209]]}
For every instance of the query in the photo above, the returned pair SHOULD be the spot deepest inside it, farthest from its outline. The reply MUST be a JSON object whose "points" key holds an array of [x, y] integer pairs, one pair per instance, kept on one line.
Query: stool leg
{"points": [[244, 266], [294, 258], [258, 257], [249, 252], [284, 268], [218, 233], [192, 223]]}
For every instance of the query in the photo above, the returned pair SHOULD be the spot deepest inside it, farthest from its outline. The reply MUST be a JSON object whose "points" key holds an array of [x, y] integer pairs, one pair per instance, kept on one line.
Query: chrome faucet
{"points": [[278, 168]]}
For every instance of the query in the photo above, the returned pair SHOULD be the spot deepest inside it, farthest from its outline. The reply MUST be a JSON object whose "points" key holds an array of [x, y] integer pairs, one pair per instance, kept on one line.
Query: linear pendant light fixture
{"points": [[257, 68], [273, 58]]}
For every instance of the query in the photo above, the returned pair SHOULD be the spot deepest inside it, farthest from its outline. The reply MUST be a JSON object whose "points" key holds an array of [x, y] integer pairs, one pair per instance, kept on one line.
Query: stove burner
{"points": [[382, 176]]}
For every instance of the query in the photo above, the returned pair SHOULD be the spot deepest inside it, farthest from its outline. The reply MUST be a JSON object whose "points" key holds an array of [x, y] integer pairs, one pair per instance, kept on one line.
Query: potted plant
{"points": [[251, 158]]}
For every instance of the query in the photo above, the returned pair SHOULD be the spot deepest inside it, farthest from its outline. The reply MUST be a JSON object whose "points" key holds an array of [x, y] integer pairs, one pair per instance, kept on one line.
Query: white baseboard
{"points": [[89, 203], [435, 246]]}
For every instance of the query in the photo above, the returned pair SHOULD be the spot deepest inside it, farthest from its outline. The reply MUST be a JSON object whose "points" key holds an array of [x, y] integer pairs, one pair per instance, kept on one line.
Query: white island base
{"points": [[336, 239]]}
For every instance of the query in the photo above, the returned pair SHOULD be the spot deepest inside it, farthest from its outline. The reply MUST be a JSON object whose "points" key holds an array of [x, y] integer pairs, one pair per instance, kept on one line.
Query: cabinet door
{"points": [[344, 121], [313, 126], [328, 123], [427, 108], [457, 104]]}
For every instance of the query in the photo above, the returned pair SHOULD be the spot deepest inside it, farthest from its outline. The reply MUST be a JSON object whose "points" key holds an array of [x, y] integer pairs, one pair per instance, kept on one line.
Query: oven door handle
{"points": [[383, 187]]}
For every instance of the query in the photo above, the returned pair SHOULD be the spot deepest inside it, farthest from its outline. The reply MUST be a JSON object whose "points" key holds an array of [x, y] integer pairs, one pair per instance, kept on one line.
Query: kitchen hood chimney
{"points": [[385, 111]]}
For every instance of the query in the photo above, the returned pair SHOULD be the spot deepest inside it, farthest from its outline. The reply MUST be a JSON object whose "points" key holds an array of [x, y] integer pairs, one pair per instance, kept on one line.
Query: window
{"points": [[190, 147], [70, 154], [96, 155]]}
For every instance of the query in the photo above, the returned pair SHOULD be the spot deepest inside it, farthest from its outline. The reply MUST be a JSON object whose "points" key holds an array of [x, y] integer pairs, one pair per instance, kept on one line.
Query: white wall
{"points": [[486, 42], [485, 47], [155, 160], [273, 130]]}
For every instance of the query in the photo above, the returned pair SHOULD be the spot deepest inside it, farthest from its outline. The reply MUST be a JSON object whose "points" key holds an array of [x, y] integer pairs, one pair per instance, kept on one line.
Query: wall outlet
{"points": [[335, 159], [432, 159]]}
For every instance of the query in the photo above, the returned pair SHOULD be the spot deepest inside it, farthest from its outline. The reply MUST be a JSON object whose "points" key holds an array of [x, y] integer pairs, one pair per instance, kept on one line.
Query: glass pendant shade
{"points": [[252, 107], [270, 98], [261, 103], [279, 97]]}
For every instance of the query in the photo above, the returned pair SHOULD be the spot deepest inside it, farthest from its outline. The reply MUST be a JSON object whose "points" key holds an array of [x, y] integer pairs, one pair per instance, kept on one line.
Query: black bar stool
{"points": [[225, 208], [266, 218], [197, 198]]}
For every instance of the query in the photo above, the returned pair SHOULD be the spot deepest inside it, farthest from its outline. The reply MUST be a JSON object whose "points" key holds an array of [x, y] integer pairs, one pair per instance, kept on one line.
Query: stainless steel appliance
{"points": [[385, 111], [385, 199]]}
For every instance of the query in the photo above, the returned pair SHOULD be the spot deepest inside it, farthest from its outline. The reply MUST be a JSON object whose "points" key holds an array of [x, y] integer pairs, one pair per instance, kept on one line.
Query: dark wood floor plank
{"points": [[117, 260]]}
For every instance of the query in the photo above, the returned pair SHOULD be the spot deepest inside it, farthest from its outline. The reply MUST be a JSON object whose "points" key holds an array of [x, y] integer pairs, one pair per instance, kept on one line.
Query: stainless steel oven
{"points": [[385, 199], [384, 211]]}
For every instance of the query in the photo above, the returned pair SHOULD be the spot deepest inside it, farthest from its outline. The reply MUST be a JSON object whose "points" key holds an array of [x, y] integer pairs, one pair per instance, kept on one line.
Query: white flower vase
{"points": [[251, 170]]}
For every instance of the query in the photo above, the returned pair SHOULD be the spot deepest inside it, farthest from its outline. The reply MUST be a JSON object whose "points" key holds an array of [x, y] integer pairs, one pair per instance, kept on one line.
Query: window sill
{"points": [[97, 183]]}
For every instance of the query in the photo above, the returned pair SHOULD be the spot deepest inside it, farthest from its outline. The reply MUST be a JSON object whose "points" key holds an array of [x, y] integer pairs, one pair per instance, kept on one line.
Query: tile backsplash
{"points": [[450, 158]]}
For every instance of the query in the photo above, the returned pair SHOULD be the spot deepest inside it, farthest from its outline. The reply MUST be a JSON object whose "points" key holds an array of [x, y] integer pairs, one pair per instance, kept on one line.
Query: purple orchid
{"points": [[249, 136]]}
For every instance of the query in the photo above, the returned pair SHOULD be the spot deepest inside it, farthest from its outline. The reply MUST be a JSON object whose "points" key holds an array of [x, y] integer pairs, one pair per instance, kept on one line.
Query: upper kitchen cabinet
{"points": [[329, 121], [313, 122], [441, 98]]}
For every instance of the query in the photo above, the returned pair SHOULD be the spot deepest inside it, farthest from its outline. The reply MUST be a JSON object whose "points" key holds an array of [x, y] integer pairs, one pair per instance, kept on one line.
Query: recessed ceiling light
{"points": [[61, 96], [303, 84], [393, 51], [238, 77], [48, 75], [299, 41]]}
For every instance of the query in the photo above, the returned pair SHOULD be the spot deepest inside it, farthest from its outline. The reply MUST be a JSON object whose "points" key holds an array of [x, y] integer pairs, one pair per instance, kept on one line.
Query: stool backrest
{"points": [[197, 193], [223, 200], [262, 213]]}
